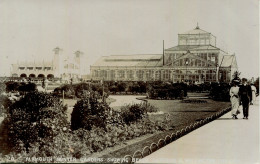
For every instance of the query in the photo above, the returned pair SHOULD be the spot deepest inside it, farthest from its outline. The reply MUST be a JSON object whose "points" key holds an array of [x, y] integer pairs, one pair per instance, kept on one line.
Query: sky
{"points": [[30, 30]]}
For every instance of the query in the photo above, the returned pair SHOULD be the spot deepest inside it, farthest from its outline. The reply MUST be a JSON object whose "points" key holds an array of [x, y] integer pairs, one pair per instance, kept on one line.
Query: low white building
{"points": [[60, 67]]}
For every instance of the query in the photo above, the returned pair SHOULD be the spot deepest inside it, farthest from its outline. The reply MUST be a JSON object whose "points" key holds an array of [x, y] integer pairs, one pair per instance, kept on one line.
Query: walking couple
{"points": [[240, 95]]}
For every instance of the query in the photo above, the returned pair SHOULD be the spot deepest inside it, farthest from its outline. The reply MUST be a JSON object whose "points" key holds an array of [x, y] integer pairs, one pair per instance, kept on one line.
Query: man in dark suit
{"points": [[245, 93]]}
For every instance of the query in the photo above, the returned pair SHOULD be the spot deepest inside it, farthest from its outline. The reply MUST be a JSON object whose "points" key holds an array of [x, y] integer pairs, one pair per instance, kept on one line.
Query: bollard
{"points": [[167, 139], [177, 134], [128, 159], [187, 129], [173, 136], [182, 132], [194, 126], [212, 117], [153, 147], [138, 154], [161, 143], [197, 124], [146, 151]]}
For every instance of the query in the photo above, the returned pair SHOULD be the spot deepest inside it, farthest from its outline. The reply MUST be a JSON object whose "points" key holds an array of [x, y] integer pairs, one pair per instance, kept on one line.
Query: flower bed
{"points": [[37, 126]]}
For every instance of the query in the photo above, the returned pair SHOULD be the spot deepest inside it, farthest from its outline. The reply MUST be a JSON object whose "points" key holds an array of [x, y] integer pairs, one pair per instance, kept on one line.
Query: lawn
{"points": [[181, 115]]}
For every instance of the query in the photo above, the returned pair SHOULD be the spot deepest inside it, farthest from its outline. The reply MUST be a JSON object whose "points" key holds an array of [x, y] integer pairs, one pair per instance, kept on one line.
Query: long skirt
{"points": [[235, 105], [253, 96]]}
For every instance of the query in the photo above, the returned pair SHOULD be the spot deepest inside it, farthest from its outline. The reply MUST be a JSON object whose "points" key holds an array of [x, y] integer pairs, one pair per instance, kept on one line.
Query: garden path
{"points": [[122, 100], [224, 140]]}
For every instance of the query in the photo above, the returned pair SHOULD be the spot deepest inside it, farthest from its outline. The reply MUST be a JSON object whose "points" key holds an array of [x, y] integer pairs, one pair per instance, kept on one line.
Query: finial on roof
{"points": [[197, 26], [77, 52], [56, 50]]}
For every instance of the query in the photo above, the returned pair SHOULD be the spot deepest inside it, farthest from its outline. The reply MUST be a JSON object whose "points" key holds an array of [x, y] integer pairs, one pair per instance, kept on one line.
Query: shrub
{"points": [[2, 88], [4, 104], [80, 90], [147, 107], [21, 87], [49, 136], [142, 86], [57, 92], [89, 112], [12, 86], [69, 91], [167, 90], [132, 113], [34, 117], [220, 92], [4, 101], [30, 87], [121, 87], [113, 89]]}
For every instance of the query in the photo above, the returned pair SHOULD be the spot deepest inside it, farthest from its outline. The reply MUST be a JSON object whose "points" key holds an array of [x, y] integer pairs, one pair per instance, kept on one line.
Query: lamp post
{"points": [[186, 63], [217, 79]]}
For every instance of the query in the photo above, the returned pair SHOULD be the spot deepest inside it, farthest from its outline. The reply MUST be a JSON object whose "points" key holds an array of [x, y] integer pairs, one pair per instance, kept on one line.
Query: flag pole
{"points": [[163, 52]]}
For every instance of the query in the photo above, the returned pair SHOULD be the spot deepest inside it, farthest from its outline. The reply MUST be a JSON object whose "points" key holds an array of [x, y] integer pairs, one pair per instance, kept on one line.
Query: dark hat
{"points": [[244, 79], [236, 81]]}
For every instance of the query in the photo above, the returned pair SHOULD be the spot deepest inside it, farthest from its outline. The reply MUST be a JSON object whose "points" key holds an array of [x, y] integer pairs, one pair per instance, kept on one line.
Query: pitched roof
{"points": [[228, 60], [197, 30], [145, 60], [192, 47], [192, 56]]}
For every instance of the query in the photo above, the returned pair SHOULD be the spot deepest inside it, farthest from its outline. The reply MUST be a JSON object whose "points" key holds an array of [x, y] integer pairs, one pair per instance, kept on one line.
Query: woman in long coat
{"points": [[234, 98], [253, 94]]}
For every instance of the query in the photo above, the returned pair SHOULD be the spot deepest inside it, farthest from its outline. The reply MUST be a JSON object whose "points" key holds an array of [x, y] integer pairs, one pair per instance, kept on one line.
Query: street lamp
{"points": [[217, 72], [186, 63]]}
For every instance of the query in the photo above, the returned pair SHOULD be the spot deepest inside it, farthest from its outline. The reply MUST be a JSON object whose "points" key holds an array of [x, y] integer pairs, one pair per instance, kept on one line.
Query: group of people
{"points": [[244, 94]]}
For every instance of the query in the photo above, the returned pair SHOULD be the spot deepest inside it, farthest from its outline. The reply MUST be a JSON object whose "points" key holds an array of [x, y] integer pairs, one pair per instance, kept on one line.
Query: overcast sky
{"points": [[32, 29]]}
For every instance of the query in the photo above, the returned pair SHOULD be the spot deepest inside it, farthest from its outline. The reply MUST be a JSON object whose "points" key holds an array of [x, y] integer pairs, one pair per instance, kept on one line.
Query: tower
{"points": [[78, 61], [57, 65]]}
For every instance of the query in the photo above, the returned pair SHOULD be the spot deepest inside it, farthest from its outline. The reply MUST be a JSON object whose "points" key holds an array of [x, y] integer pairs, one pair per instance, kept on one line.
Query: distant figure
{"points": [[43, 83], [246, 97], [182, 95], [253, 88], [234, 98]]}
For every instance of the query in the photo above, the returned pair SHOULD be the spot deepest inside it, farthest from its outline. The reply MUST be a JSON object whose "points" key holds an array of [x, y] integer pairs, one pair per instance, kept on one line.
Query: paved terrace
{"points": [[222, 141]]}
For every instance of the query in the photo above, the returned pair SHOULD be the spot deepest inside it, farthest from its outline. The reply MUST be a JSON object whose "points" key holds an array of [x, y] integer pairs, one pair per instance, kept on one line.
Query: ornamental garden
{"points": [[79, 121]]}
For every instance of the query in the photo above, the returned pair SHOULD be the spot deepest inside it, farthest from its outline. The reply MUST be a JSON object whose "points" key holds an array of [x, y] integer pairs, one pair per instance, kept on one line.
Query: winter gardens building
{"points": [[196, 59]]}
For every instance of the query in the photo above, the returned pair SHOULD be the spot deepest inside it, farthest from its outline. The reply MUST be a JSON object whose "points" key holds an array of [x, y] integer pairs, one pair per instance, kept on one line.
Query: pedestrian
{"points": [[245, 93], [253, 88], [234, 98]]}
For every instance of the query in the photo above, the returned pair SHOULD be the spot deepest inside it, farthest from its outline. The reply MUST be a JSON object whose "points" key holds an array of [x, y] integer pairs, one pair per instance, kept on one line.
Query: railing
{"points": [[147, 150]]}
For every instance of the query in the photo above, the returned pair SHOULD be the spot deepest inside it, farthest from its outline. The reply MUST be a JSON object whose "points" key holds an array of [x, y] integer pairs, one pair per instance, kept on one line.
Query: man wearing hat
{"points": [[246, 96]]}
